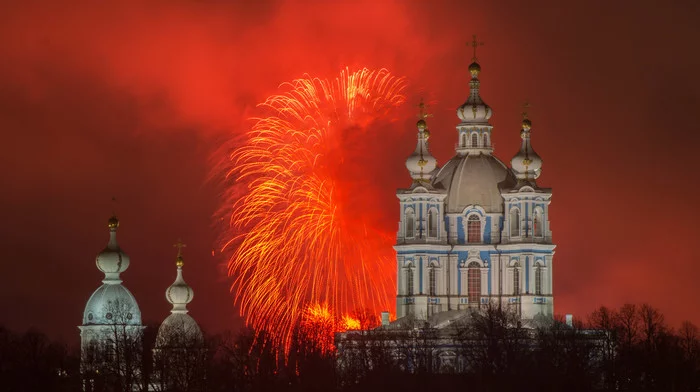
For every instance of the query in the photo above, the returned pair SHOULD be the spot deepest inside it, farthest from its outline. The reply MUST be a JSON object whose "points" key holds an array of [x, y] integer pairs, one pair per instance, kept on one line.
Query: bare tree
{"points": [[605, 320], [494, 342], [627, 321], [568, 355], [179, 358], [653, 327], [114, 362], [689, 341]]}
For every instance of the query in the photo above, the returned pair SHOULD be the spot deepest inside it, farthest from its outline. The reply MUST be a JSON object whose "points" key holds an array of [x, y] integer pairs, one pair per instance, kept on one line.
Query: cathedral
{"points": [[474, 231], [111, 334]]}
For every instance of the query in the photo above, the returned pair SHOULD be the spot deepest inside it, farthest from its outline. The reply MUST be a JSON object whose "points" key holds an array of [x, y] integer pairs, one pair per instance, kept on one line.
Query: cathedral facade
{"points": [[475, 230]]}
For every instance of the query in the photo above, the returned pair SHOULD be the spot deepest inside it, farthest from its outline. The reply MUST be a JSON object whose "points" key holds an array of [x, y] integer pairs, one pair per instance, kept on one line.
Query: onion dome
{"points": [[474, 110], [179, 329], [421, 163], [179, 293], [112, 260], [526, 164]]}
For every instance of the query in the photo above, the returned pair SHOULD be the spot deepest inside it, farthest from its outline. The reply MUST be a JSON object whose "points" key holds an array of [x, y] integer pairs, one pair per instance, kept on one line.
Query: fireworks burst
{"points": [[294, 242]]}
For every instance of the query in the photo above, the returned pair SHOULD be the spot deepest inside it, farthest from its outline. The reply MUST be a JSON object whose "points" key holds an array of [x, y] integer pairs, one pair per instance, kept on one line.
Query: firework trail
{"points": [[293, 243]]}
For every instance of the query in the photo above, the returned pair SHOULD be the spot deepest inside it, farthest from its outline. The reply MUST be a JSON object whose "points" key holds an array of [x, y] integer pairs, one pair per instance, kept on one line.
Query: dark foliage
{"points": [[627, 349]]}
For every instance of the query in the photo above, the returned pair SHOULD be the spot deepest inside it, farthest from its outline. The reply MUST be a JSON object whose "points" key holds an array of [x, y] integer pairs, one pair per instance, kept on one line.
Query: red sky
{"points": [[133, 99]]}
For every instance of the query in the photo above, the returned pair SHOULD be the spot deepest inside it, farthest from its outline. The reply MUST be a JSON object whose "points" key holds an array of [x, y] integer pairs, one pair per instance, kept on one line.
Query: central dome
{"points": [[474, 179]]}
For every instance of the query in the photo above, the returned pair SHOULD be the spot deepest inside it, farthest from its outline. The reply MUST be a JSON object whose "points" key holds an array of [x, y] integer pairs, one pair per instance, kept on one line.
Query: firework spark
{"points": [[294, 243]]}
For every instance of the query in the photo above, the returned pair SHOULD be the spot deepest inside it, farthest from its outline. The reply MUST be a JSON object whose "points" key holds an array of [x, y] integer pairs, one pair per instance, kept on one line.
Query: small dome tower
{"points": [[111, 299], [111, 311], [179, 339], [526, 164], [179, 327], [421, 164], [474, 130]]}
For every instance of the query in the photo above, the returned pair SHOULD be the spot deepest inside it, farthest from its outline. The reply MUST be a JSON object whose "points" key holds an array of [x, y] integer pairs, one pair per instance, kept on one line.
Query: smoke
{"points": [[200, 64]]}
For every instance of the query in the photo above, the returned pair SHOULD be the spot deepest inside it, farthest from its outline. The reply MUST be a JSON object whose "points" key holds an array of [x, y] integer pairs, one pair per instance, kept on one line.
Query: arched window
{"points": [[538, 279], [514, 222], [473, 229], [475, 140], [410, 223], [486, 140], [537, 222], [474, 282], [432, 282], [432, 223], [464, 140], [409, 281], [516, 279]]}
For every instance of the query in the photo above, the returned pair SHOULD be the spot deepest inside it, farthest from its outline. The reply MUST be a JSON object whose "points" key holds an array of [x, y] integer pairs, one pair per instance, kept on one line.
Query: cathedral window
{"points": [[486, 140], [538, 280], [432, 282], [475, 140], [409, 281], [473, 229], [537, 222], [516, 279], [464, 140], [410, 223], [432, 223], [474, 282], [514, 222]]}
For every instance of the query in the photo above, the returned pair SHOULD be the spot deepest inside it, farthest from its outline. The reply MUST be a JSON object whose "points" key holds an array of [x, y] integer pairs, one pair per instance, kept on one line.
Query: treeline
{"points": [[30, 361], [627, 349]]}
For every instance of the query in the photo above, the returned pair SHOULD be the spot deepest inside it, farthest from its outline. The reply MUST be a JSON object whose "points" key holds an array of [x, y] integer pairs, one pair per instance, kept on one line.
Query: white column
{"points": [[400, 284], [508, 285], [531, 275], [453, 229], [549, 272]]}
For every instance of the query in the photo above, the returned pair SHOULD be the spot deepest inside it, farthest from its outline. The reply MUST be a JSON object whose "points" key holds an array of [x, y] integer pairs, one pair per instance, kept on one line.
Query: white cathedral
{"points": [[474, 231], [112, 332]]}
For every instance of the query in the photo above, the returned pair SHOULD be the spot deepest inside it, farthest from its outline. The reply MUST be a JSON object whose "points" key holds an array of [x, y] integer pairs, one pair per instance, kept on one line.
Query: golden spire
{"points": [[113, 222], [179, 245], [474, 44], [422, 115], [527, 124], [474, 67]]}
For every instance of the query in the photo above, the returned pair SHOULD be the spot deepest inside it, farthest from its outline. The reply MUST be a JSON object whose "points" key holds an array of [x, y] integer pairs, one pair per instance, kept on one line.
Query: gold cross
{"points": [[526, 106], [179, 245], [422, 114], [474, 44]]}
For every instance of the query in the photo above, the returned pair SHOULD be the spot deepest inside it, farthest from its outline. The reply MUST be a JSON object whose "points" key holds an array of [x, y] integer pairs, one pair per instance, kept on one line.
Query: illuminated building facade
{"points": [[474, 230]]}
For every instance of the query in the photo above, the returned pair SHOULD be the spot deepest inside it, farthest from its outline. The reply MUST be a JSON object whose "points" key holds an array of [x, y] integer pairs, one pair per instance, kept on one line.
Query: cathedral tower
{"points": [[110, 337], [178, 354], [474, 231]]}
